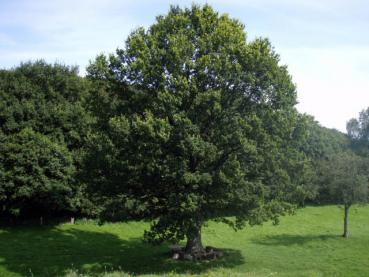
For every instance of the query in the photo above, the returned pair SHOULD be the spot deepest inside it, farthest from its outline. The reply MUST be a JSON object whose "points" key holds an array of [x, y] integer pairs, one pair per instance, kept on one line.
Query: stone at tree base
{"points": [[187, 257], [175, 256], [220, 254], [208, 253]]}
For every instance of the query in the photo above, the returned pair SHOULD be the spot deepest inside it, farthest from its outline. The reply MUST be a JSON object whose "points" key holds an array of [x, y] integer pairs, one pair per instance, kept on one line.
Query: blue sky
{"points": [[325, 43]]}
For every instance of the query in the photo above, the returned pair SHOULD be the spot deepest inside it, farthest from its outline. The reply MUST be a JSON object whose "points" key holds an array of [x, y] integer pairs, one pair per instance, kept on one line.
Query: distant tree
{"points": [[358, 131], [48, 101], [345, 176], [195, 123]]}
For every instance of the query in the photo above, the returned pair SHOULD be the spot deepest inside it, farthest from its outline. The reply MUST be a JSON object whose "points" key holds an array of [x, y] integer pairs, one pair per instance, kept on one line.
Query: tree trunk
{"points": [[194, 243], [345, 222]]}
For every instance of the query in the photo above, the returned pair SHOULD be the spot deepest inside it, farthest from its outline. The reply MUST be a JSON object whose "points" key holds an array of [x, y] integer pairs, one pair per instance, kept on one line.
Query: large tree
{"points": [[345, 177], [195, 123]]}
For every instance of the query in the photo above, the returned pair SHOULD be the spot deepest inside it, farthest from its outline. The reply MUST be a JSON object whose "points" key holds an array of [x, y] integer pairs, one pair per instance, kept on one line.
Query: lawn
{"points": [[306, 244]]}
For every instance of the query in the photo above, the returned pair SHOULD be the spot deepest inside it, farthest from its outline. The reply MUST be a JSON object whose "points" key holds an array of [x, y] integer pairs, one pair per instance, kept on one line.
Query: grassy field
{"points": [[306, 244]]}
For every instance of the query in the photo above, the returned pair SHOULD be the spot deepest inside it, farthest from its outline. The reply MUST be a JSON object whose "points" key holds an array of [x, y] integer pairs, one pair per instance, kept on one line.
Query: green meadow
{"points": [[305, 244]]}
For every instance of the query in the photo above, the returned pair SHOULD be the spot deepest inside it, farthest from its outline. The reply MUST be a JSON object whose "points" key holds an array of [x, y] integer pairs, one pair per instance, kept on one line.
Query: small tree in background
{"points": [[358, 132], [358, 129], [194, 124], [345, 177]]}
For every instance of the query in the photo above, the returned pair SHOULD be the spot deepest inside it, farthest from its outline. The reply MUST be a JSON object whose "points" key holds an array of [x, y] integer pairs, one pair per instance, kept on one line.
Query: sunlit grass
{"points": [[306, 244]]}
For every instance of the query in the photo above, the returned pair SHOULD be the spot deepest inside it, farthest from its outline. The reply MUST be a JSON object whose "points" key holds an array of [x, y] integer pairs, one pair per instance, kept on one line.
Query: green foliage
{"points": [[35, 174], [195, 123], [46, 98], [322, 142], [45, 104], [319, 144], [358, 131], [345, 177]]}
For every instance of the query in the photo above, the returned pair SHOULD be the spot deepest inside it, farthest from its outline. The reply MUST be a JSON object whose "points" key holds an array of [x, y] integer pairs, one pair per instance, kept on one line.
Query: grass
{"points": [[306, 244]]}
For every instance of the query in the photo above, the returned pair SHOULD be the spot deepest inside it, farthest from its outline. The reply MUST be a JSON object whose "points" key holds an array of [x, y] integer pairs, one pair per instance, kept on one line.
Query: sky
{"points": [[324, 43]]}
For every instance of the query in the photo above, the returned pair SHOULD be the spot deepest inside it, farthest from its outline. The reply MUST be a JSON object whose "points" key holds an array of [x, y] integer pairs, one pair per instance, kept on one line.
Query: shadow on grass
{"points": [[52, 252], [288, 240]]}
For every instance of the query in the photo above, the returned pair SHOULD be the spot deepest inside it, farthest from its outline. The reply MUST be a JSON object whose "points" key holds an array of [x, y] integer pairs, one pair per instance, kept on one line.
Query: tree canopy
{"points": [[195, 123], [358, 131], [35, 174], [320, 144], [43, 127]]}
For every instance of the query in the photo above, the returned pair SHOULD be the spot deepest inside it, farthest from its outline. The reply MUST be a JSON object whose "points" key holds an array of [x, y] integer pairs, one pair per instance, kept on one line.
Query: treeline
{"points": [[44, 124], [48, 114]]}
